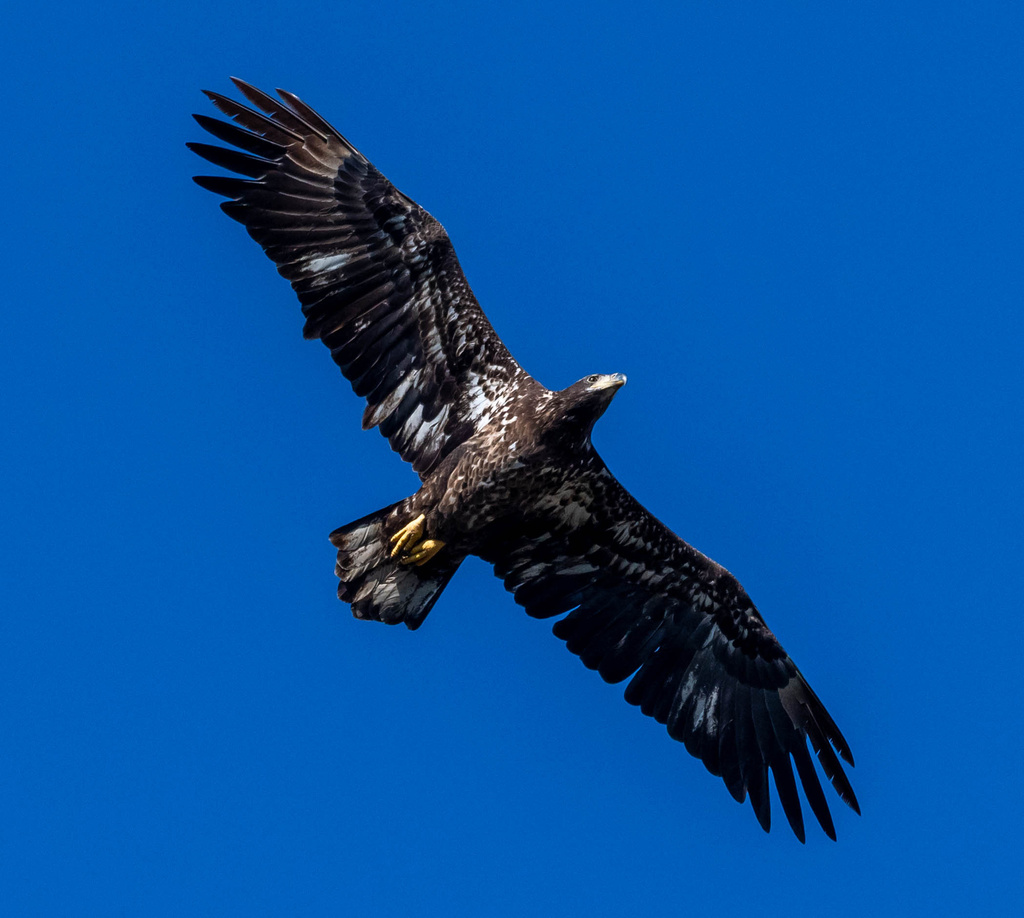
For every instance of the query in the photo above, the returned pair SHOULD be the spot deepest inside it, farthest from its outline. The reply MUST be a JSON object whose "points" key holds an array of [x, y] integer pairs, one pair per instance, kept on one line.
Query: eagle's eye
{"points": [[593, 379]]}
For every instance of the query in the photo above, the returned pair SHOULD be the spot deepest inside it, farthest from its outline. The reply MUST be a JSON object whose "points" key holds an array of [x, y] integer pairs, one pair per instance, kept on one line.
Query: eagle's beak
{"points": [[611, 381]]}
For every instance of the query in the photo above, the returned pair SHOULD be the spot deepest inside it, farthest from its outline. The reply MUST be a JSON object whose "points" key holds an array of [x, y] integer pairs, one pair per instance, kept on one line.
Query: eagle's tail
{"points": [[378, 587]]}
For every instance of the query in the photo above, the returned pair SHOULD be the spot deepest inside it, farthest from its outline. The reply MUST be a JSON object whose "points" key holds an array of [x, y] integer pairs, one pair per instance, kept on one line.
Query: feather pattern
{"points": [[508, 469], [646, 604], [376, 275]]}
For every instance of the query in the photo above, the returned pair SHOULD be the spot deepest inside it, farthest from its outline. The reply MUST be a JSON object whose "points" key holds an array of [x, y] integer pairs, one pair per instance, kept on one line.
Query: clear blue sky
{"points": [[796, 227]]}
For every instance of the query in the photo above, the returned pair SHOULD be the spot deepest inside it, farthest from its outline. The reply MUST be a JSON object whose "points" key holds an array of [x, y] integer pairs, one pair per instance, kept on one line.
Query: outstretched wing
{"points": [[376, 275], [642, 602]]}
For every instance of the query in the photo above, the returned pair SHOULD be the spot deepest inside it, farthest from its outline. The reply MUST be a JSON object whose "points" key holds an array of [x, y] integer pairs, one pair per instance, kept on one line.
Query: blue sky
{"points": [[796, 227]]}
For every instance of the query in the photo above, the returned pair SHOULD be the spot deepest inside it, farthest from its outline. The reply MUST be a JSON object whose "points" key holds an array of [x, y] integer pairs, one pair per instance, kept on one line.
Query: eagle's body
{"points": [[530, 464], [530, 471], [508, 471]]}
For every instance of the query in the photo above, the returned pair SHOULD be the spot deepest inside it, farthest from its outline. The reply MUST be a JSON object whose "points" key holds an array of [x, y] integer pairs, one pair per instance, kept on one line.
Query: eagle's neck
{"points": [[567, 423]]}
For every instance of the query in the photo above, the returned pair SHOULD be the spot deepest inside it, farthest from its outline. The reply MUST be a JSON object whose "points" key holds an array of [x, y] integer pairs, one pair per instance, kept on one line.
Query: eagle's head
{"points": [[599, 387], [581, 404]]}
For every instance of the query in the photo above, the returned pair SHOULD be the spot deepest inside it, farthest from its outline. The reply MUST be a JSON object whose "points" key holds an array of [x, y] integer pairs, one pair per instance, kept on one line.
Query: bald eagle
{"points": [[507, 468]]}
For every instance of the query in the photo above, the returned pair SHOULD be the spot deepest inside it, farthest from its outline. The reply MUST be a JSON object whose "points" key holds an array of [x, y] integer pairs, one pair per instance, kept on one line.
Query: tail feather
{"points": [[378, 587]]}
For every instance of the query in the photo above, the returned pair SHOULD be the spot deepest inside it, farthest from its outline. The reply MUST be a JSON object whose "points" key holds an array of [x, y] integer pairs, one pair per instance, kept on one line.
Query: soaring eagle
{"points": [[507, 467]]}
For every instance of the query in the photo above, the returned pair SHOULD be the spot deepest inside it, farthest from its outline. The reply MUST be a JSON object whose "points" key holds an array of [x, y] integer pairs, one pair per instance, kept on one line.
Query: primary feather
{"points": [[507, 466]]}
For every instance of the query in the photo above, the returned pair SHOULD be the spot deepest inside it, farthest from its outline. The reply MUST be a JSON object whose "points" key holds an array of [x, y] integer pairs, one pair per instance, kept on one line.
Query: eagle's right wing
{"points": [[644, 603], [376, 275]]}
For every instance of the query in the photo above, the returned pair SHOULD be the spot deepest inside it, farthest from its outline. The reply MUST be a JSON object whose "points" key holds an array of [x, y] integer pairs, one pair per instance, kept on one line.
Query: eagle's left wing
{"points": [[376, 275], [642, 601]]}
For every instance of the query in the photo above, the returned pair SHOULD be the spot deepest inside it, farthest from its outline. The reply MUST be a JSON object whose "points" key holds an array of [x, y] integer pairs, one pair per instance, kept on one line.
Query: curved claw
{"points": [[423, 552], [409, 546], [407, 536]]}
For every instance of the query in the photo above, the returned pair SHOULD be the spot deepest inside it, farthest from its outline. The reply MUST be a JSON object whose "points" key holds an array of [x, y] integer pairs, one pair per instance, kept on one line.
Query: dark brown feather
{"points": [[380, 285], [351, 243]]}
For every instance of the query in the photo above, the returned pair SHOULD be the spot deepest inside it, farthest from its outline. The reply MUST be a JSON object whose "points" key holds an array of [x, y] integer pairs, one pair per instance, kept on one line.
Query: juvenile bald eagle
{"points": [[507, 467]]}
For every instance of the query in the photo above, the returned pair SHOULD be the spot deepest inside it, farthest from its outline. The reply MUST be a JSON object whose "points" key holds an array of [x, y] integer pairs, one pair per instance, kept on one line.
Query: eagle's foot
{"points": [[403, 541], [423, 551], [409, 547]]}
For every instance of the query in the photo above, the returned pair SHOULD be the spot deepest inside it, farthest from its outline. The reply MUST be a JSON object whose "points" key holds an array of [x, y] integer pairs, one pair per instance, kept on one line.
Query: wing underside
{"points": [[643, 603], [377, 276]]}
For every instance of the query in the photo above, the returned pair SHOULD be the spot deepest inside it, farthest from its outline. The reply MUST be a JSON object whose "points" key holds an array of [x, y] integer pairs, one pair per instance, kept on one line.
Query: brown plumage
{"points": [[507, 467]]}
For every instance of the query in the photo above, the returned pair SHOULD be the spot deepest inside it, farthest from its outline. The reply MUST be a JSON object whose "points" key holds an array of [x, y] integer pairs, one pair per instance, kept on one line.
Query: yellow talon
{"points": [[423, 552], [409, 546], [408, 535]]}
